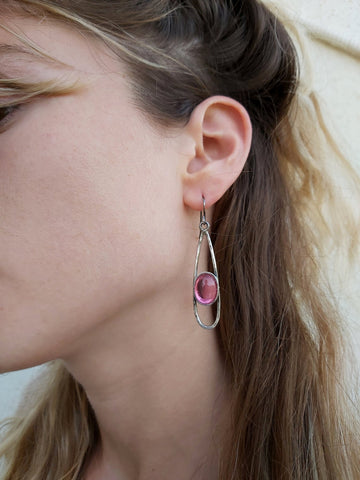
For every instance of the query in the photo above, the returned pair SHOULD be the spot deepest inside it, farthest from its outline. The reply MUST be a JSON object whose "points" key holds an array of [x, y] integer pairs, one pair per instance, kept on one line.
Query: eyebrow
{"points": [[16, 78], [31, 52], [17, 49], [20, 59]]}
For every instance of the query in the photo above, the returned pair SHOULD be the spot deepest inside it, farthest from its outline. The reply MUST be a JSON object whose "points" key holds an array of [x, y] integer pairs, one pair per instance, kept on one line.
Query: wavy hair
{"points": [[280, 332]]}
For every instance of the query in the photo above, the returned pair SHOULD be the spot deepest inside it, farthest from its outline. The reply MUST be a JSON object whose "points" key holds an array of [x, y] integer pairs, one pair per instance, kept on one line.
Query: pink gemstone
{"points": [[206, 288]]}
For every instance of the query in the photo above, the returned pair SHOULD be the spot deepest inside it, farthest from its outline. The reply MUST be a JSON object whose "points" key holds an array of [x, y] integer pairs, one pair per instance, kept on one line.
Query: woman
{"points": [[120, 122]]}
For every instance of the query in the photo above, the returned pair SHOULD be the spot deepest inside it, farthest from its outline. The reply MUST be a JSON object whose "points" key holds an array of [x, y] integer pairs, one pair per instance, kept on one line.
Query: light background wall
{"points": [[333, 31]]}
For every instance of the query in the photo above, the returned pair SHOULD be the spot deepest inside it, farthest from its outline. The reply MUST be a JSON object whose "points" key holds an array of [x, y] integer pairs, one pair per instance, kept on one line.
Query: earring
{"points": [[205, 285]]}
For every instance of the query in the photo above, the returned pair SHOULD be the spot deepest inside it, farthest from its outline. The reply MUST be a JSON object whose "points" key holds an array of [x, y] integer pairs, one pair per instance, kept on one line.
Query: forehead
{"points": [[28, 43]]}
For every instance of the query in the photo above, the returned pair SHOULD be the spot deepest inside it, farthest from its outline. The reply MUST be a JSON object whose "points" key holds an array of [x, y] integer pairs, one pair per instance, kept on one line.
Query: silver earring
{"points": [[206, 289]]}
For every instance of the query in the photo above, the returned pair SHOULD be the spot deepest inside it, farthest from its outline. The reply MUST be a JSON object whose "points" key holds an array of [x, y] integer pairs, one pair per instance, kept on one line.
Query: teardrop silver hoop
{"points": [[206, 290]]}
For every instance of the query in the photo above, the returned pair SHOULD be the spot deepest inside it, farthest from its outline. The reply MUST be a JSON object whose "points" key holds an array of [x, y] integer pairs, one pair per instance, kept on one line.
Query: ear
{"points": [[220, 132]]}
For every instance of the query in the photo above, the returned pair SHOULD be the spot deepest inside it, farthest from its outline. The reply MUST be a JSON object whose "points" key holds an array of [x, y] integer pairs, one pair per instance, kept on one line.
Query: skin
{"points": [[98, 233]]}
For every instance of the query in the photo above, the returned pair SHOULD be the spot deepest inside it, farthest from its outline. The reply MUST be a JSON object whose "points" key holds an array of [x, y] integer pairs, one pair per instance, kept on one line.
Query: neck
{"points": [[157, 386]]}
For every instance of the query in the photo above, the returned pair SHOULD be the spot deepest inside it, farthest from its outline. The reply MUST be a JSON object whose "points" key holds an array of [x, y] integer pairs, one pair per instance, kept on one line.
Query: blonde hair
{"points": [[280, 334]]}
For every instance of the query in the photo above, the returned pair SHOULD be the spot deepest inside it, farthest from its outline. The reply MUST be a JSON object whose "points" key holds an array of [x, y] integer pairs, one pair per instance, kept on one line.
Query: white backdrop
{"points": [[333, 28]]}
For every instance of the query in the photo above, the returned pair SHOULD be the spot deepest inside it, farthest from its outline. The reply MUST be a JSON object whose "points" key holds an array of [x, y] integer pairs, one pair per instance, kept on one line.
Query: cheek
{"points": [[81, 224], [52, 248], [64, 197]]}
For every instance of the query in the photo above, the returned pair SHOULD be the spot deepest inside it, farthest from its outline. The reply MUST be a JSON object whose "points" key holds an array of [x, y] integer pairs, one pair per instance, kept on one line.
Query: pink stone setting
{"points": [[206, 288]]}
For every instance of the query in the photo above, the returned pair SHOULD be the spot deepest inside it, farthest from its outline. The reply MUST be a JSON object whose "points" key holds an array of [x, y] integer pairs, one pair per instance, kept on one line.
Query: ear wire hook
{"points": [[203, 213]]}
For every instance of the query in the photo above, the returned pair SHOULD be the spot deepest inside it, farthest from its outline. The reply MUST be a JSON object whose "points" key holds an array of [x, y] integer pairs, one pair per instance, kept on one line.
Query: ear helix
{"points": [[206, 289]]}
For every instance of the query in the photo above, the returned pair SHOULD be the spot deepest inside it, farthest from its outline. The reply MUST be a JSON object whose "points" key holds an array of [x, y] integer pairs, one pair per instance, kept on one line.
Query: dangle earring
{"points": [[205, 285]]}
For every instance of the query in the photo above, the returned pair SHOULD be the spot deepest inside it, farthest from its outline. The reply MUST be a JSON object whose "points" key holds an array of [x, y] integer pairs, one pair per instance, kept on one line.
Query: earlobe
{"points": [[220, 128]]}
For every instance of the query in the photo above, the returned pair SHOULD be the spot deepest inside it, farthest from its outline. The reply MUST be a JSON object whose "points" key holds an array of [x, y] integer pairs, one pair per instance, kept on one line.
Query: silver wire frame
{"points": [[204, 230]]}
